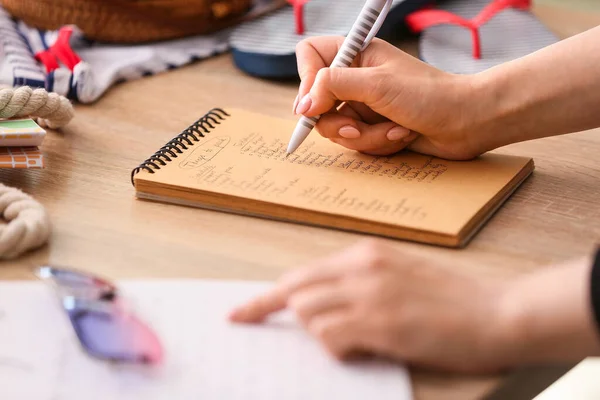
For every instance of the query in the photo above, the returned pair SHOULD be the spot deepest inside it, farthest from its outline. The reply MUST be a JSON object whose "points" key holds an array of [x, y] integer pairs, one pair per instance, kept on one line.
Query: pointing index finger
{"points": [[329, 269], [259, 308]]}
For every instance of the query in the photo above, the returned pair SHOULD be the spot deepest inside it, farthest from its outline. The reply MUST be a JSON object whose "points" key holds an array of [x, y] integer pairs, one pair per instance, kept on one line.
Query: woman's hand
{"points": [[376, 300], [393, 101], [372, 299]]}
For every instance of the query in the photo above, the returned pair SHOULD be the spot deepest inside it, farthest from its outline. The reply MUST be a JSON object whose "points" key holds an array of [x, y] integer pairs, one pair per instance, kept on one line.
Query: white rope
{"points": [[27, 224], [50, 109]]}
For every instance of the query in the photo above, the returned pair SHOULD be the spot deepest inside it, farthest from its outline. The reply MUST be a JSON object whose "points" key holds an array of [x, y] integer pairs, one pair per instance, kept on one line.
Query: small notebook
{"points": [[20, 133], [235, 161], [205, 356], [21, 157]]}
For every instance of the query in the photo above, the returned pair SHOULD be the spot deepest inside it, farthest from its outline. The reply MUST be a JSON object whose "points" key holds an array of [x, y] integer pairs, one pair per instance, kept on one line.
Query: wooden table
{"points": [[101, 227]]}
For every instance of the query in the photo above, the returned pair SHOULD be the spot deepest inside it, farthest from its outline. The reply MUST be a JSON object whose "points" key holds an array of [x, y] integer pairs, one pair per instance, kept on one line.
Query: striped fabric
{"points": [[509, 35], [17, 65], [105, 64], [108, 64], [102, 65], [275, 34]]}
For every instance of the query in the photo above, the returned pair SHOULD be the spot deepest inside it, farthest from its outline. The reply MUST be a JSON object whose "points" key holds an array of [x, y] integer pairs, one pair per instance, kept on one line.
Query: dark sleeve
{"points": [[595, 287]]}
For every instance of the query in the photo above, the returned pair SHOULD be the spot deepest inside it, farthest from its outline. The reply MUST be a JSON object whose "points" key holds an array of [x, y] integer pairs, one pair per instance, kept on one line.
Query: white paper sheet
{"points": [[579, 383], [206, 357]]}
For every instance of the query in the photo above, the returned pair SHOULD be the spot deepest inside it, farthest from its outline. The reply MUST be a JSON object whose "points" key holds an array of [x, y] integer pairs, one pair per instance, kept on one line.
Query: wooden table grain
{"points": [[98, 225]]}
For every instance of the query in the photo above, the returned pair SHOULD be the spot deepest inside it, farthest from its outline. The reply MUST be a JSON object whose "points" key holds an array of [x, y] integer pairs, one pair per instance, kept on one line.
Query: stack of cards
{"points": [[19, 144]]}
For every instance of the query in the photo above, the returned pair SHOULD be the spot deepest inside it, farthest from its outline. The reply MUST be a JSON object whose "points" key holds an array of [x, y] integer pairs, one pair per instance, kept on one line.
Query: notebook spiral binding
{"points": [[181, 142]]}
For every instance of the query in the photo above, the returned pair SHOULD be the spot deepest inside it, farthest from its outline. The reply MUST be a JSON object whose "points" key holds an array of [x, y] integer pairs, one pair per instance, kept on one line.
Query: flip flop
{"points": [[470, 36], [266, 47]]}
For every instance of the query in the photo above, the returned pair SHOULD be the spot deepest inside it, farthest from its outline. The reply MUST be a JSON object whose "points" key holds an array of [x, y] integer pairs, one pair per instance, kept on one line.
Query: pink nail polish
{"points": [[304, 104], [349, 132], [397, 133]]}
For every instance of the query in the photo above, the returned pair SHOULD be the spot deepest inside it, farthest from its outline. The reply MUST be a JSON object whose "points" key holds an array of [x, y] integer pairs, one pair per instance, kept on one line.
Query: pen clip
{"points": [[377, 25]]}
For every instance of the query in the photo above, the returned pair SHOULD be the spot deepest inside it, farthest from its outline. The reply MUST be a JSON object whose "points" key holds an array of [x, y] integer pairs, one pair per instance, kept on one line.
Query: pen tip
{"points": [[287, 155]]}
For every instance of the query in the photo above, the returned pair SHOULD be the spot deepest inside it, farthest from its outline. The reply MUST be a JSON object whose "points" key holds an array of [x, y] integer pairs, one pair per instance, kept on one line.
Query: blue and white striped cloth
{"points": [[103, 64]]}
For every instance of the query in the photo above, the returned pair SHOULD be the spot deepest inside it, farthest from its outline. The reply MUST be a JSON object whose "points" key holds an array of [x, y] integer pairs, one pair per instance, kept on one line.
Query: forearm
{"points": [[548, 316], [551, 92]]}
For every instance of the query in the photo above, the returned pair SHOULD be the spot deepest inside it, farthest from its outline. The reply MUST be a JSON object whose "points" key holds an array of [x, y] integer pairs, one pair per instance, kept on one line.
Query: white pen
{"points": [[365, 28]]}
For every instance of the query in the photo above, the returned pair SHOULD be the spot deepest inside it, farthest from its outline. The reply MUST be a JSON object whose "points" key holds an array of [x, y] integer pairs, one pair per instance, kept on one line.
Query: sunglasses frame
{"points": [[90, 295]]}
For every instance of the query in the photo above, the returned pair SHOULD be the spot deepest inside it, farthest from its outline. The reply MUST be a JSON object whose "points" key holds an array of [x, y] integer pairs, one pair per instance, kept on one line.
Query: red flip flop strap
{"points": [[495, 7], [48, 60], [62, 48], [423, 19], [298, 14]]}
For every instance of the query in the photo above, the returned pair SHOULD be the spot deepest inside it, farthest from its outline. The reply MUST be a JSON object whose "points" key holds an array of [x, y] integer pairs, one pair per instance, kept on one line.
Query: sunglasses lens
{"points": [[116, 336], [104, 330]]}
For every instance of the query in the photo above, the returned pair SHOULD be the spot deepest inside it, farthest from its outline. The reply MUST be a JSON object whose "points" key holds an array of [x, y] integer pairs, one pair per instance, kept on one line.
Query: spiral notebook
{"points": [[235, 161]]}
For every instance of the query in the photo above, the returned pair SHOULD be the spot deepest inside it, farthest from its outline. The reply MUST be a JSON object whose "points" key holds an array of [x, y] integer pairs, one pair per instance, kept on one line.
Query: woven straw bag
{"points": [[130, 21]]}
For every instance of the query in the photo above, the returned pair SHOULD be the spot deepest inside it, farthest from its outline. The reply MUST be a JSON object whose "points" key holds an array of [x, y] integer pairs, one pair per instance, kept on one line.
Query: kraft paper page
{"points": [[244, 157]]}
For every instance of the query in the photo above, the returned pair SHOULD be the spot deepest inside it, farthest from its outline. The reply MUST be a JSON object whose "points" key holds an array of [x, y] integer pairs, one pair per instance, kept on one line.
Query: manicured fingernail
{"points": [[349, 132], [235, 314], [304, 104], [411, 137], [295, 103], [397, 133]]}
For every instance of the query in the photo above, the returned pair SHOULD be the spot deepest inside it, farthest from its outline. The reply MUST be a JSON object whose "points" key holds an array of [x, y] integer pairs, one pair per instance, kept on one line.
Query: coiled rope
{"points": [[51, 110], [24, 223], [27, 227]]}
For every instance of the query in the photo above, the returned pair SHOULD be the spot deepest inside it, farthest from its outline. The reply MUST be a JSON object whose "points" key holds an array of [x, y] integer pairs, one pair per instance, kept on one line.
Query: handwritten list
{"points": [[256, 145], [266, 184]]}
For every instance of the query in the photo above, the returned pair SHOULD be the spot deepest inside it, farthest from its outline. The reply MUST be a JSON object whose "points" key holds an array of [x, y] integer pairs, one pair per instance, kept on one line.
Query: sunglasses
{"points": [[103, 326]]}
